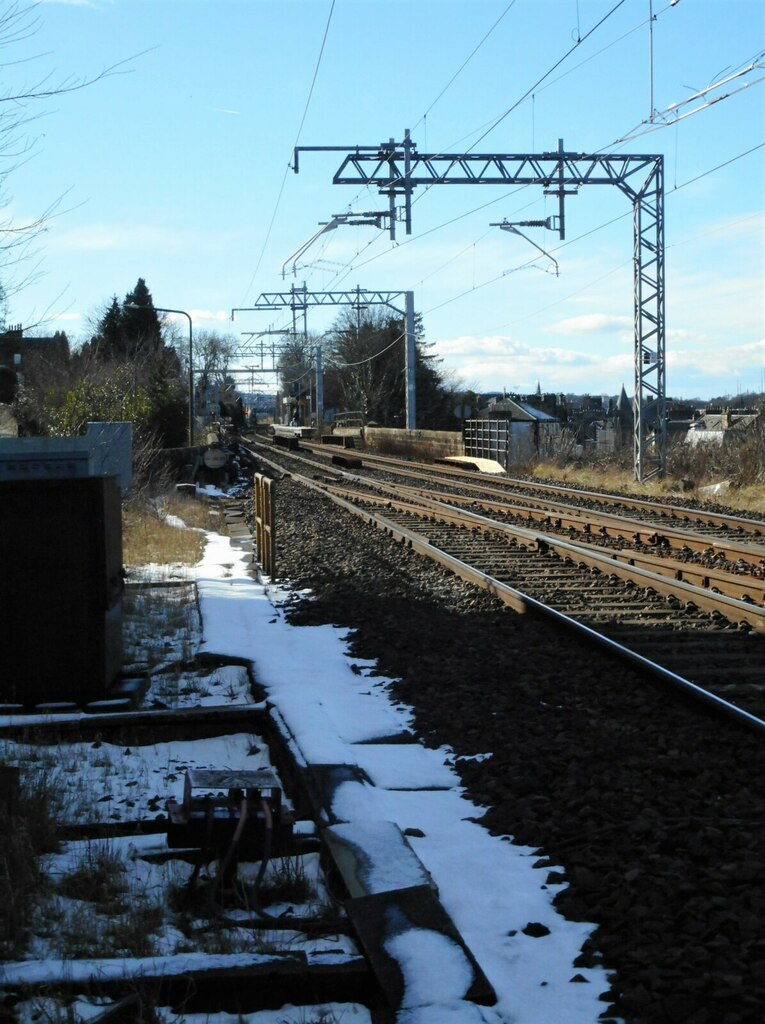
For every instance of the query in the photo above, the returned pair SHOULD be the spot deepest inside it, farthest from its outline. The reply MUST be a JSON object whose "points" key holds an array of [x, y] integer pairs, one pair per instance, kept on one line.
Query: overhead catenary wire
{"points": [[535, 86], [540, 84], [423, 118], [585, 234], [351, 266], [297, 139], [670, 115], [464, 64], [356, 266]]}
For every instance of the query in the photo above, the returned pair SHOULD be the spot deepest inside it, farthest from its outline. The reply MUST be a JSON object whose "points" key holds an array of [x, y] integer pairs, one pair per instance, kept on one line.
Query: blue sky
{"points": [[175, 169]]}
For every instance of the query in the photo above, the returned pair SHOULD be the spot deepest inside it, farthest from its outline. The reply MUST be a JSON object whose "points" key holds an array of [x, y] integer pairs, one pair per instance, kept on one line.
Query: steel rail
{"points": [[641, 533], [741, 587], [524, 603], [753, 526], [617, 527], [731, 608]]}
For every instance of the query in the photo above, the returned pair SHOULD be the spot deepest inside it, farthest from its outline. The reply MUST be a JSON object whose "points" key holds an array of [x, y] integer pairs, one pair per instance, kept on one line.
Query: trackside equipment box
{"points": [[60, 589]]}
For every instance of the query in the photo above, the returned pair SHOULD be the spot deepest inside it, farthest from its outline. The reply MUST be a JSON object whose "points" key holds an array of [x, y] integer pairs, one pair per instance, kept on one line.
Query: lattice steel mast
{"points": [[396, 168]]}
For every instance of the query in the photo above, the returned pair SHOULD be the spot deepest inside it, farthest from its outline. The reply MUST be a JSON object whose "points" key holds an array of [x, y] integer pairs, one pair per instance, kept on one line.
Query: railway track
{"points": [[653, 511], [693, 624], [651, 807]]}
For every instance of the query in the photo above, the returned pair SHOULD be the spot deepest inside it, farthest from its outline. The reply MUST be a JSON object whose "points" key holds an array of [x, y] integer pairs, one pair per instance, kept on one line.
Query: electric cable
{"points": [[464, 64], [600, 227], [369, 359], [450, 82], [585, 234], [297, 139], [353, 264]]}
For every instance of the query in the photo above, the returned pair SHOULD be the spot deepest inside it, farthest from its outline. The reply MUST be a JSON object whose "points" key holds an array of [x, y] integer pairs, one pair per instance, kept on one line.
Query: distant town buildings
{"points": [[536, 425], [15, 349], [716, 425]]}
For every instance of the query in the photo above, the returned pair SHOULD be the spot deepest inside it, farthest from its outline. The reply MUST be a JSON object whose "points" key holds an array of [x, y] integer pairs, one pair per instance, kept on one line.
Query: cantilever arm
{"points": [[511, 227]]}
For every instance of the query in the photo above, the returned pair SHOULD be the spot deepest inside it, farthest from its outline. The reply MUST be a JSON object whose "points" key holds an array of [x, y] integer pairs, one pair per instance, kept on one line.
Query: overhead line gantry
{"points": [[299, 299], [397, 168]]}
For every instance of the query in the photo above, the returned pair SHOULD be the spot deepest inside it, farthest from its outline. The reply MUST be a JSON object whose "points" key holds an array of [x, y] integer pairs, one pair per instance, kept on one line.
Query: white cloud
{"points": [[222, 110], [590, 323], [719, 362], [215, 316], [80, 3], [495, 361], [500, 348]]}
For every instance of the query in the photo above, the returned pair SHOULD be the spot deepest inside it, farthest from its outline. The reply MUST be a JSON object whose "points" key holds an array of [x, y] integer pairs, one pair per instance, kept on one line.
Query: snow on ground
{"points": [[338, 711], [99, 781], [487, 884]]}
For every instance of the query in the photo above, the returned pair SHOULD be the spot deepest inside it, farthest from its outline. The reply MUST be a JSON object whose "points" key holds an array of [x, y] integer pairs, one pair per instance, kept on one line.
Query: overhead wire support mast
{"points": [[300, 299], [396, 168]]}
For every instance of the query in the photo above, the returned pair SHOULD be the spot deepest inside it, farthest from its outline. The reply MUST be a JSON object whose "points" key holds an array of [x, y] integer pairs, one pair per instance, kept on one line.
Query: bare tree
{"points": [[20, 106]]}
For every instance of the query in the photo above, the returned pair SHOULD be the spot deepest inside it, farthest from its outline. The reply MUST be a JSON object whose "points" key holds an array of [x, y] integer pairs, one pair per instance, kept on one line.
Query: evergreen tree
{"points": [[130, 333], [109, 340], [140, 322]]}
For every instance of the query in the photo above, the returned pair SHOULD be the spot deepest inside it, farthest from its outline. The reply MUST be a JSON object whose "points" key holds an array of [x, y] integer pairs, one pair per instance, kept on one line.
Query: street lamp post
{"points": [[182, 312]]}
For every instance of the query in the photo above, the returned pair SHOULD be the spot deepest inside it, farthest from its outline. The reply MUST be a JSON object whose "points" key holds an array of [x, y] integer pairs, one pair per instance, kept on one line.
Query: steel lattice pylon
{"points": [[396, 168]]}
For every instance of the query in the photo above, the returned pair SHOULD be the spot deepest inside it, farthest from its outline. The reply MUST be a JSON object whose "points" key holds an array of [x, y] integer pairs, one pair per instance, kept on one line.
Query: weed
{"points": [[312, 1015], [130, 933], [149, 538], [286, 882], [194, 686], [98, 877], [28, 830], [79, 933]]}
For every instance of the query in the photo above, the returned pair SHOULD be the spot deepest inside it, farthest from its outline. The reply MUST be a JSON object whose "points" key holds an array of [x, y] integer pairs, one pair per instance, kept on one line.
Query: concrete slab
{"points": [[374, 857], [388, 922], [482, 465]]}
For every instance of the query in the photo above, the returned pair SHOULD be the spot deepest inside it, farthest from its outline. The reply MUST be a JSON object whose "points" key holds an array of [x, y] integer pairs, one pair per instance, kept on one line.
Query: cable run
{"points": [[348, 366], [547, 74], [465, 63], [288, 167], [578, 238], [315, 74]]}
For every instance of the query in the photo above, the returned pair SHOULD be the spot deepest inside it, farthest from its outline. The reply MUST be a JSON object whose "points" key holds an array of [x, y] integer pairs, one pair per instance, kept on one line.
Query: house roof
{"points": [[513, 408]]}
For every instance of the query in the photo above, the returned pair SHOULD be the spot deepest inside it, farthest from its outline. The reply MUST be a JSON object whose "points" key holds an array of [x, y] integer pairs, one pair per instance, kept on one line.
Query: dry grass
{"points": [[751, 499], [601, 476], [148, 538], [28, 830]]}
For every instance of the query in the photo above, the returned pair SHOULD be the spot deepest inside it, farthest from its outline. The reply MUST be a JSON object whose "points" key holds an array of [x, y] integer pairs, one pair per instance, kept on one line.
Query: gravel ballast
{"points": [[653, 808]]}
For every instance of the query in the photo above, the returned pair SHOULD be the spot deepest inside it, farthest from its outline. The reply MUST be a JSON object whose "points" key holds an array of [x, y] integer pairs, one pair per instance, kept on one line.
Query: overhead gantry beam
{"points": [[299, 299], [396, 168]]}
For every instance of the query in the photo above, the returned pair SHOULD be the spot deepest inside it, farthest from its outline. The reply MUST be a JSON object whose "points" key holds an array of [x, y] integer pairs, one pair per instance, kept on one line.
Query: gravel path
{"points": [[654, 810]]}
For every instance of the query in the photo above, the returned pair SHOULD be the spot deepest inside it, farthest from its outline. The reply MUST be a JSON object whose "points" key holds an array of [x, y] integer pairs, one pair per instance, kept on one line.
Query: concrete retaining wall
{"points": [[434, 443]]}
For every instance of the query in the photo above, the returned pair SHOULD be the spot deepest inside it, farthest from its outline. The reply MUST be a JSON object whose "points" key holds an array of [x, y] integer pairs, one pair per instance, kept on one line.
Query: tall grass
{"points": [[740, 463], [27, 830], [147, 537]]}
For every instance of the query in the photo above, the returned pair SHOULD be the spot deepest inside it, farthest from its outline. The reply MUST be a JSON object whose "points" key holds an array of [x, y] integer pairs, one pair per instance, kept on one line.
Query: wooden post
{"points": [[265, 530]]}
